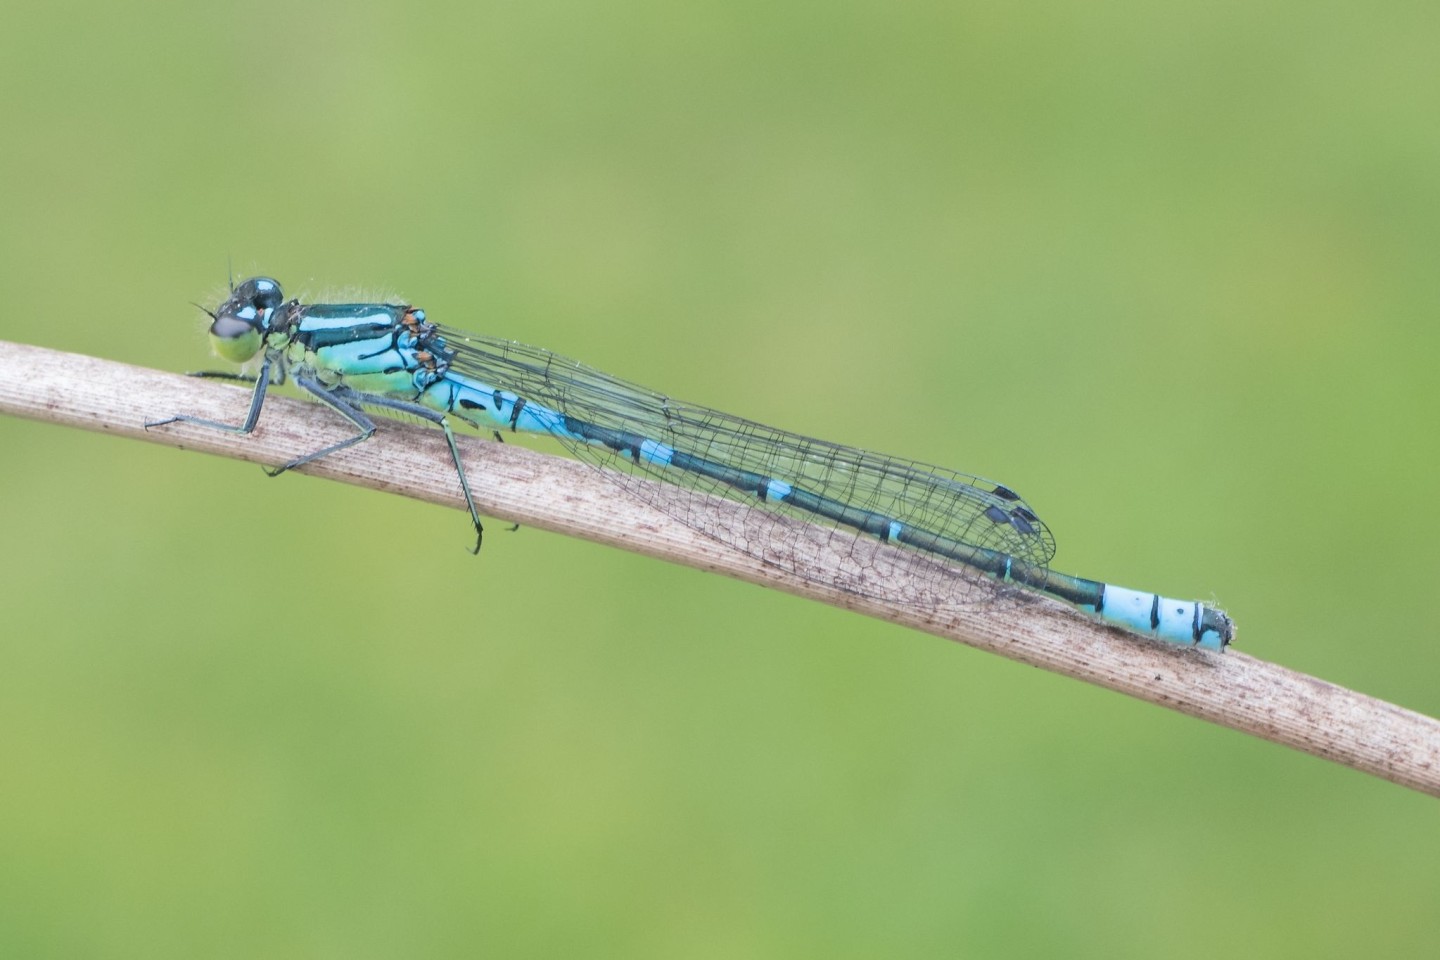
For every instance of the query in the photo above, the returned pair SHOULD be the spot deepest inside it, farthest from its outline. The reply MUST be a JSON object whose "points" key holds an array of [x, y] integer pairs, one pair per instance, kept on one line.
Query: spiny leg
{"points": [[276, 375], [350, 396], [332, 398], [221, 375], [257, 400]]}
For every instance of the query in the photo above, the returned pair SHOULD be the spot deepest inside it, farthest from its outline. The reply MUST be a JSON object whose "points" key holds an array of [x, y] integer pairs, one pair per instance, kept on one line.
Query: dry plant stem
{"points": [[553, 493]]}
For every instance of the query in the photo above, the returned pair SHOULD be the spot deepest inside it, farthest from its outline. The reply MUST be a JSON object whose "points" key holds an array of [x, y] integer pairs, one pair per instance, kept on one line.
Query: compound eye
{"points": [[232, 326], [263, 292], [235, 333]]}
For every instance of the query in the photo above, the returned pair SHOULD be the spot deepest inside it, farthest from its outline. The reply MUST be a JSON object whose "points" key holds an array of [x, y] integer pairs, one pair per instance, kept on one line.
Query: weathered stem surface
{"points": [[568, 497]]}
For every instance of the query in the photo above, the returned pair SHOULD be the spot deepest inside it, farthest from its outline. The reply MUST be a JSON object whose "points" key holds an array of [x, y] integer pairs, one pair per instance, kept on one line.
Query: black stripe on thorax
{"points": [[319, 339]]}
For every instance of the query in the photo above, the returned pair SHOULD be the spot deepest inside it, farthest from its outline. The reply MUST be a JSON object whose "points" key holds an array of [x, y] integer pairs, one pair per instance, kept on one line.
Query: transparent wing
{"points": [[955, 506]]}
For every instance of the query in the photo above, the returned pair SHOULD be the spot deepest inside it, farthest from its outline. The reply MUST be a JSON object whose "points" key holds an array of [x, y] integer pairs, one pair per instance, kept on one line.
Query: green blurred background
{"points": [[1168, 269]]}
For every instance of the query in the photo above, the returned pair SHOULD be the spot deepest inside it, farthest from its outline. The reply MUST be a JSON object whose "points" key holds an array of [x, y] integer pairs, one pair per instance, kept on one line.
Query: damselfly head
{"points": [[261, 292], [238, 326]]}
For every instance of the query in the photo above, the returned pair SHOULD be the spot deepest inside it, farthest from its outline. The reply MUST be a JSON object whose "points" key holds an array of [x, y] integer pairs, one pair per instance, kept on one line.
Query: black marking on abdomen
{"points": [[621, 441], [1155, 612], [884, 528]]}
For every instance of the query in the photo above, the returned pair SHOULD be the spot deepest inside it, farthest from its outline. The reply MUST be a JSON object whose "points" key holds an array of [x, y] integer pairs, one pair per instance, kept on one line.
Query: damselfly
{"points": [[390, 357]]}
